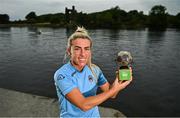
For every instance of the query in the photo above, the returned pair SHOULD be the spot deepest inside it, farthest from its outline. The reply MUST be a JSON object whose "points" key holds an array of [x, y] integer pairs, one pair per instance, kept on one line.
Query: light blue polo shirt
{"points": [[67, 78]]}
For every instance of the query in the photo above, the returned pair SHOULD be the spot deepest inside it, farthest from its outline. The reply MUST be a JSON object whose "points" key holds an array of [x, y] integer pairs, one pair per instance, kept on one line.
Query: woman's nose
{"points": [[82, 52]]}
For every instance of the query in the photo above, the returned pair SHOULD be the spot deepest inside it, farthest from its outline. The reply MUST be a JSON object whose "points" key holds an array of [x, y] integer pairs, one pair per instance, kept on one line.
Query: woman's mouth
{"points": [[82, 59]]}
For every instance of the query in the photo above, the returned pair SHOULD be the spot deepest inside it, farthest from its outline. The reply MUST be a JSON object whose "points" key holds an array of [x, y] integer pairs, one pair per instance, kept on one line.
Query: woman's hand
{"points": [[119, 84]]}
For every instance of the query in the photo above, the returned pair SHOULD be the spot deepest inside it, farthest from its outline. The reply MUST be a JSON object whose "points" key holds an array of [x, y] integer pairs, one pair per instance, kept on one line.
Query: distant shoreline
{"points": [[69, 27], [58, 26], [31, 25]]}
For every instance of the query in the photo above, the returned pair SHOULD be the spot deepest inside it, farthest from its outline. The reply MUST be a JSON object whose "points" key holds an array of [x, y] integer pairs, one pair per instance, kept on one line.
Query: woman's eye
{"points": [[87, 48], [76, 48]]}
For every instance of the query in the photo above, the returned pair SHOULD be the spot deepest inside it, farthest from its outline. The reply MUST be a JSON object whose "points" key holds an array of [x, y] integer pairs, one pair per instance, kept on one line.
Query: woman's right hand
{"points": [[119, 85]]}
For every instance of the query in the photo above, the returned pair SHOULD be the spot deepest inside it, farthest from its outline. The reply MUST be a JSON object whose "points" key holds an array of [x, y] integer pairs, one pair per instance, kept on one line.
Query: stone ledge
{"points": [[18, 104]]}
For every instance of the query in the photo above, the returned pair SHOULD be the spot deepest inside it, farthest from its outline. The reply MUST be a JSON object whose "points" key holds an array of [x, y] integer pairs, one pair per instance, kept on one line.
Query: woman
{"points": [[77, 81]]}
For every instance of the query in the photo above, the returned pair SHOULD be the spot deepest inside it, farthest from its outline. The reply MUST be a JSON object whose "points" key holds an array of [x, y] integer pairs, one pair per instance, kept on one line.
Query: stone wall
{"points": [[17, 104]]}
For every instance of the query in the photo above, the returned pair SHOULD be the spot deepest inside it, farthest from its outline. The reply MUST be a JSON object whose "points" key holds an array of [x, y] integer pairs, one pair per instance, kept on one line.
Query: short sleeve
{"points": [[101, 78], [64, 83]]}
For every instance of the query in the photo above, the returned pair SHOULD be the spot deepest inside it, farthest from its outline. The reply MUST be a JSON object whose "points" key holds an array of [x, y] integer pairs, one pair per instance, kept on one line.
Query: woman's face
{"points": [[80, 52]]}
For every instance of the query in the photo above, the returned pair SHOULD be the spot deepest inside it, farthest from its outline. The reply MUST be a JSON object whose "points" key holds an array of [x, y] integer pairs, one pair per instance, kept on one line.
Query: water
{"points": [[28, 61]]}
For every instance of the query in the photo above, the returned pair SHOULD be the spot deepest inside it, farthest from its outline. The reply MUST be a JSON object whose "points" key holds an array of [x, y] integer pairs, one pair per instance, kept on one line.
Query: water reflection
{"points": [[114, 34], [5, 33], [155, 36], [33, 32], [5, 39], [155, 45], [5, 29], [69, 32]]}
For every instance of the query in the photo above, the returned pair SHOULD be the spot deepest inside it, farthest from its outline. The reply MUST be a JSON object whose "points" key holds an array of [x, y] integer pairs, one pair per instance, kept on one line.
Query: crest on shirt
{"points": [[60, 77], [90, 78]]}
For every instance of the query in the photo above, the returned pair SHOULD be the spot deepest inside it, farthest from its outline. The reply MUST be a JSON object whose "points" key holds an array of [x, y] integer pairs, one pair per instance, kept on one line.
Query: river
{"points": [[28, 61]]}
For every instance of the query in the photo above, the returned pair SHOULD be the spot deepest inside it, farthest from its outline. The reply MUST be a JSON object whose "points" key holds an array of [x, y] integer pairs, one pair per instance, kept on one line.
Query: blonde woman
{"points": [[77, 81]]}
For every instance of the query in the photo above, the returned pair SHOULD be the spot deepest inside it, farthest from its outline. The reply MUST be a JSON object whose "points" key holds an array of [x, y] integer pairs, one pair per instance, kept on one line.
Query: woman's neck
{"points": [[76, 66]]}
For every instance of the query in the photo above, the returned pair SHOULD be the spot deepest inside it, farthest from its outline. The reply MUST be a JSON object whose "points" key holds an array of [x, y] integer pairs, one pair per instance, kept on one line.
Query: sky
{"points": [[18, 9]]}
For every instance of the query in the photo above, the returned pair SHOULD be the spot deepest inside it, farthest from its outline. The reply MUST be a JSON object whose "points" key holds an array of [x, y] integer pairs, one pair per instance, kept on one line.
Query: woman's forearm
{"points": [[93, 101]]}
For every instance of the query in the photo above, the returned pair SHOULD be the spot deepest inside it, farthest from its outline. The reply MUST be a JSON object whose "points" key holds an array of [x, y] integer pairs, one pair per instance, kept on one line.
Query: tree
{"points": [[177, 20], [31, 17], [4, 18], [158, 18]]}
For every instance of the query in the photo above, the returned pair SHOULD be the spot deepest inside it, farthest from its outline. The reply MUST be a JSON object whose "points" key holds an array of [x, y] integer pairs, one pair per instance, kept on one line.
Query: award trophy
{"points": [[124, 60]]}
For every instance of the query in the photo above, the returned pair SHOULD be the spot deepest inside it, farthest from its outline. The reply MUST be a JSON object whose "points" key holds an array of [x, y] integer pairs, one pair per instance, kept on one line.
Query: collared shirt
{"points": [[67, 78]]}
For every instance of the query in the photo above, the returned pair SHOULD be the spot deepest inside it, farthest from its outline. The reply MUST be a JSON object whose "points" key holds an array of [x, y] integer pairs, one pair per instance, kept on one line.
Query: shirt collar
{"points": [[75, 69]]}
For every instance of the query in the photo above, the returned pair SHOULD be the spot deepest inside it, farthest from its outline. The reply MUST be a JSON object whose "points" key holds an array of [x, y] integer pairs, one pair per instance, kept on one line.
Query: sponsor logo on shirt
{"points": [[90, 78], [60, 77]]}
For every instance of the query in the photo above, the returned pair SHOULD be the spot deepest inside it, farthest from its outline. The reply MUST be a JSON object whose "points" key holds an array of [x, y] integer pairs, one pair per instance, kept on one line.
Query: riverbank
{"points": [[18, 104], [32, 25]]}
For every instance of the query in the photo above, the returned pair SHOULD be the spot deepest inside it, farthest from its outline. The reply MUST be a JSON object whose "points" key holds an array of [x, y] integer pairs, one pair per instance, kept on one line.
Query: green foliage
{"points": [[158, 18], [31, 17], [136, 19], [4, 18], [177, 20], [114, 18]]}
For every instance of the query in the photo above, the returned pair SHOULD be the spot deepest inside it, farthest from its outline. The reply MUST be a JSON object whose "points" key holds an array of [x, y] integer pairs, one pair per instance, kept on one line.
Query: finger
{"points": [[126, 83], [130, 69], [117, 74], [120, 81], [117, 77], [131, 79], [131, 73], [116, 80]]}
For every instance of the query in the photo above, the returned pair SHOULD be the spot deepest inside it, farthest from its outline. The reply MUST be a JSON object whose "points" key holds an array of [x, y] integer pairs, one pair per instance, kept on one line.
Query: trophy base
{"points": [[124, 74]]}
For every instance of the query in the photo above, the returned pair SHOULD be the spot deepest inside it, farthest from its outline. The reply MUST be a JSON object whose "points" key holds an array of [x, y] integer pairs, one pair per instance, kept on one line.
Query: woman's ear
{"points": [[68, 51]]}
